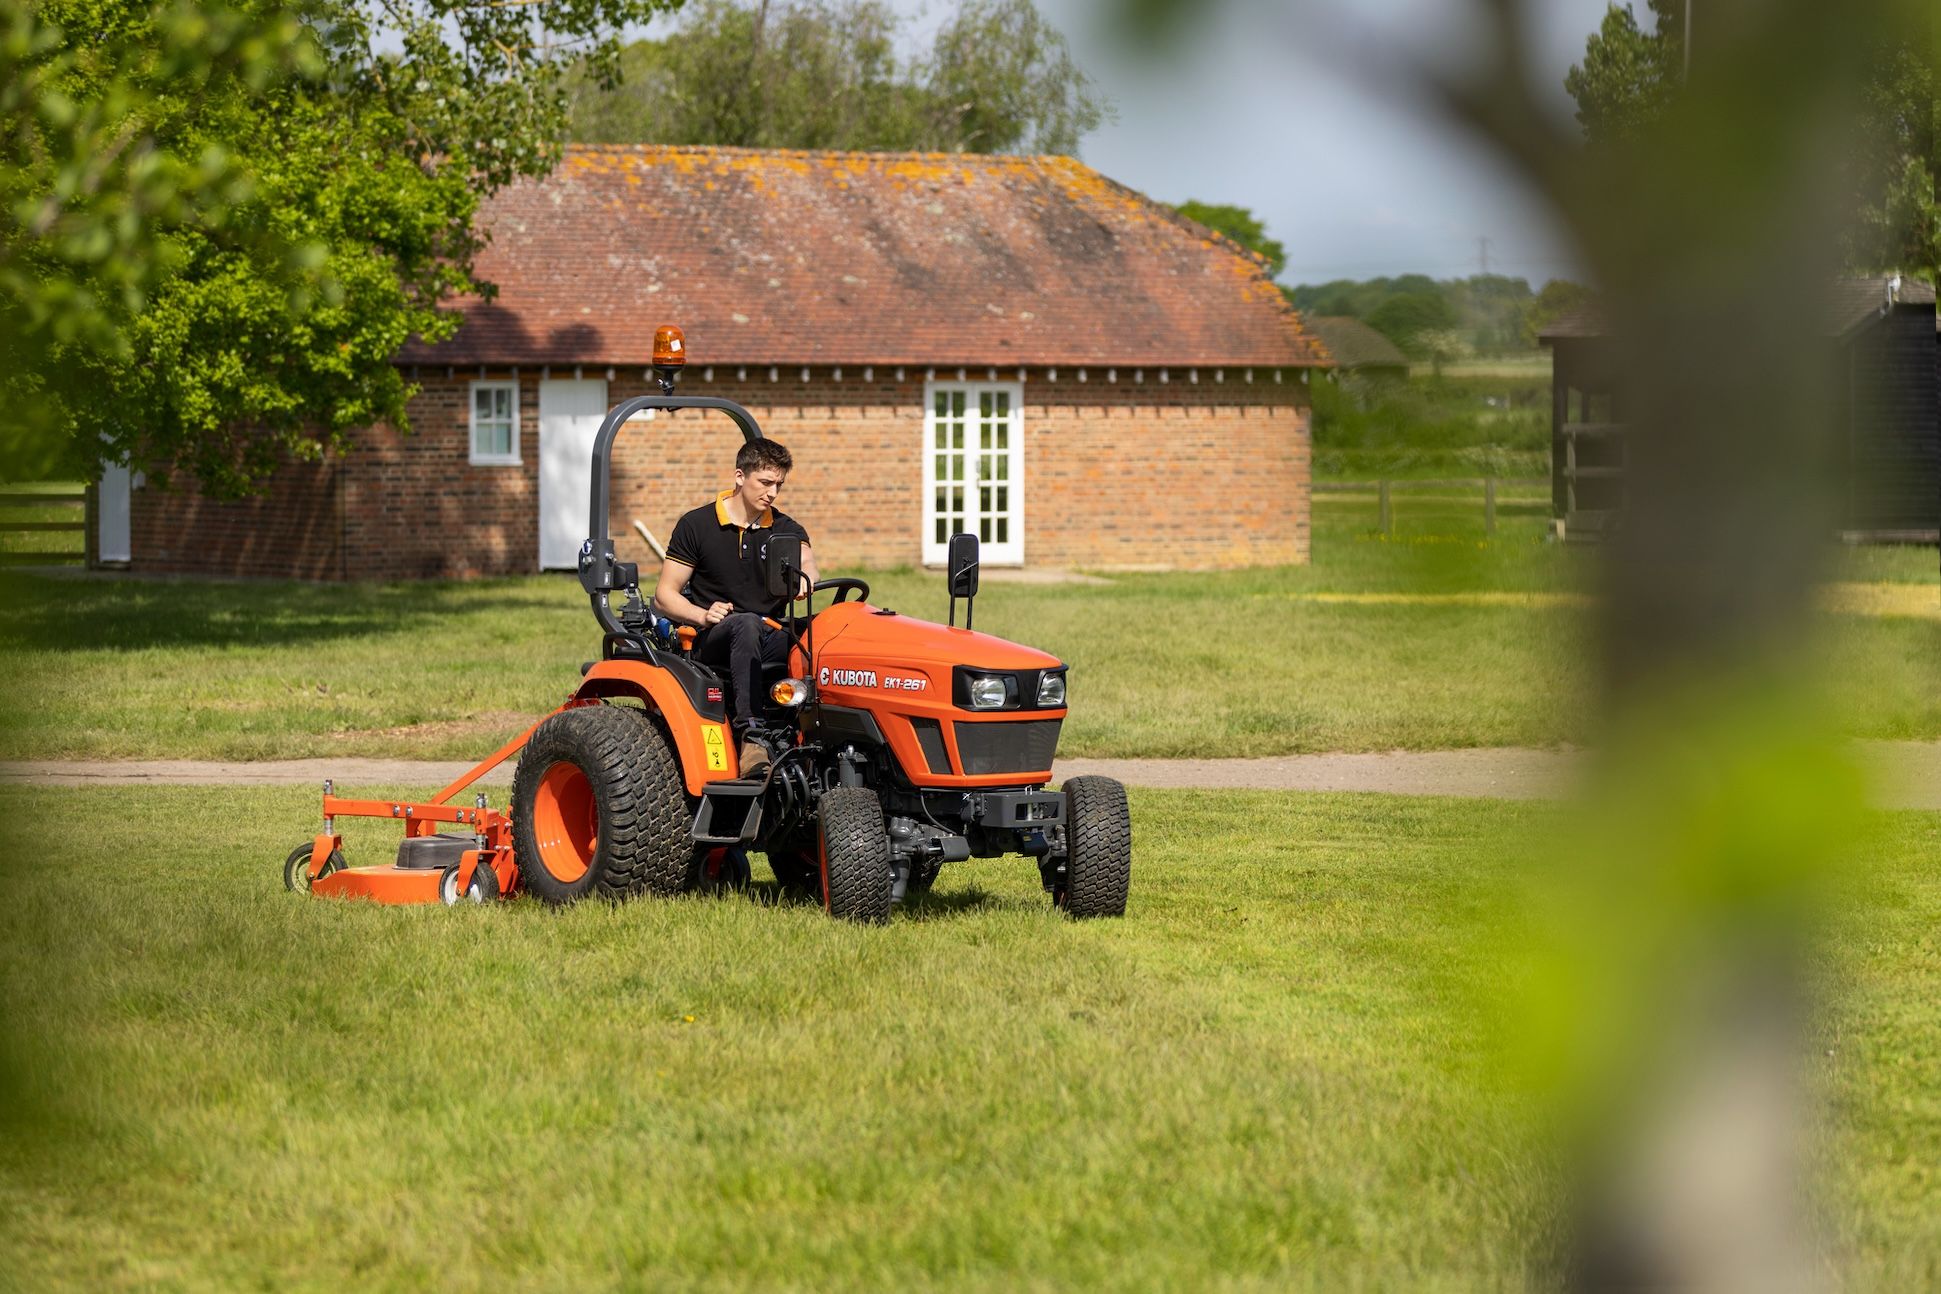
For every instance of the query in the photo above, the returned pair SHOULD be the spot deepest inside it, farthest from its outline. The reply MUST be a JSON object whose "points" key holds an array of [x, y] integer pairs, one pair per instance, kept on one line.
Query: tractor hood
{"points": [[865, 653]]}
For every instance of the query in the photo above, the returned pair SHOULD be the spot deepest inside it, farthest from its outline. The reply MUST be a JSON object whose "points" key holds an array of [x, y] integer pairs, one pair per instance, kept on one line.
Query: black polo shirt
{"points": [[728, 560]]}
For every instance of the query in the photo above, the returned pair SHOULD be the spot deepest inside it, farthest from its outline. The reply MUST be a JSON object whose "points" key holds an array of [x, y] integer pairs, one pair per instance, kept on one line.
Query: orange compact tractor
{"points": [[900, 745]]}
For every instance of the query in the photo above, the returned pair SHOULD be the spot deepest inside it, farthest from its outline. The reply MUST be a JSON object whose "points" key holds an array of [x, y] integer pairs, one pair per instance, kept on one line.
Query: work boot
{"points": [[754, 758]]}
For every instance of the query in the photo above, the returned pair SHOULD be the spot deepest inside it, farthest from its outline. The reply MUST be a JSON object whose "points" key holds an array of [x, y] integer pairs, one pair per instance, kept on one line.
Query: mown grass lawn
{"points": [[1273, 1073], [1381, 643]]}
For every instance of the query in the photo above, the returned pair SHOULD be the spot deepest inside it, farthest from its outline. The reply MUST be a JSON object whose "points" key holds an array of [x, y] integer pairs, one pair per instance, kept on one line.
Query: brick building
{"points": [[1014, 346]]}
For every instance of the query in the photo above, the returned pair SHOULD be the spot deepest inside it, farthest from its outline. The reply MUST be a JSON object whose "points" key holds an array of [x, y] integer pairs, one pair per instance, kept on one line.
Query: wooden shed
{"points": [[1882, 341]]}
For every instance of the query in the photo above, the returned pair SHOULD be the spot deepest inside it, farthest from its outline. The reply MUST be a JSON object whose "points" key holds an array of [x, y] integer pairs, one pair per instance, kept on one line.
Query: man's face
{"points": [[759, 488]]}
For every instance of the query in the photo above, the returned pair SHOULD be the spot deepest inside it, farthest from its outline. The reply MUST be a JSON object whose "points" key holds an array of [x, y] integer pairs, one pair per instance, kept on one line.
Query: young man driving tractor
{"points": [[713, 580]]}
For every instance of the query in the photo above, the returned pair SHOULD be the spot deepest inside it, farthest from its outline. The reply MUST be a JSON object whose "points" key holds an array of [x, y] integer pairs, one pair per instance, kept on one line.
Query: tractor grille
{"points": [[1020, 746]]}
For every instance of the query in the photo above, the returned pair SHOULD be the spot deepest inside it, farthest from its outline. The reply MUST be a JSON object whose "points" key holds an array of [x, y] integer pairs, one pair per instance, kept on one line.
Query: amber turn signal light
{"points": [[790, 691], [670, 347]]}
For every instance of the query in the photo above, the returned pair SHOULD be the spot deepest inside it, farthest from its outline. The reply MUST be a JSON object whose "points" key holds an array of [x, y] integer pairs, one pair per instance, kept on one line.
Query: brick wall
{"points": [[1121, 470], [292, 531]]}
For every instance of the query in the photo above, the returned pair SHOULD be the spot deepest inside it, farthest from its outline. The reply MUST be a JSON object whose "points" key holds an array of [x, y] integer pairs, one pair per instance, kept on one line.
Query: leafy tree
{"points": [[1628, 74], [1897, 223], [1414, 322], [825, 74], [1558, 298], [1629, 77], [268, 326], [813, 74], [99, 195], [1001, 80], [1242, 227], [1483, 313]]}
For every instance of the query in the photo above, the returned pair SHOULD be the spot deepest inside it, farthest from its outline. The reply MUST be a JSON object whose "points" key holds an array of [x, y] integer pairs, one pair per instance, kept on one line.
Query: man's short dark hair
{"points": [[757, 454]]}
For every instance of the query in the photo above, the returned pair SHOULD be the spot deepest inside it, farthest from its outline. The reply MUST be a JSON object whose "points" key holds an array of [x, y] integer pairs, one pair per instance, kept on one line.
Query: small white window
{"points": [[495, 424]]}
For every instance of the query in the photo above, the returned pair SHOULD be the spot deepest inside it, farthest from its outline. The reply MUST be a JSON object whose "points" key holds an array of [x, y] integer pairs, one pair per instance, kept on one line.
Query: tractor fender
{"points": [[700, 742]]}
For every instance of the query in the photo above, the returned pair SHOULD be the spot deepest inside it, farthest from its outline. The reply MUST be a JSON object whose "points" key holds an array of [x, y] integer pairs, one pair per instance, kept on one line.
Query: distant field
{"points": [[1531, 365], [1278, 1071], [1458, 425]]}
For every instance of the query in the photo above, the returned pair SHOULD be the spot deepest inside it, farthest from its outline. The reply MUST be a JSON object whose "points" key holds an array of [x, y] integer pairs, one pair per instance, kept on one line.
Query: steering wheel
{"points": [[843, 587]]}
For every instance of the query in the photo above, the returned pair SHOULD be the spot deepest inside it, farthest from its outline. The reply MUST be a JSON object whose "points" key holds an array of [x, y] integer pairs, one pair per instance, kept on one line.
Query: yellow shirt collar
{"points": [[721, 516]]}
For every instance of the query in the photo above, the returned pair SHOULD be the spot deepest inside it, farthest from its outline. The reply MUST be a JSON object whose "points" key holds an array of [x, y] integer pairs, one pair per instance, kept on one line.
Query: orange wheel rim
{"points": [[565, 823]]}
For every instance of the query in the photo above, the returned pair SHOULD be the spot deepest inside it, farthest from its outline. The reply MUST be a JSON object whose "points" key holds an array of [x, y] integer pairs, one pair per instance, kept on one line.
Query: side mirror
{"points": [[782, 565], [961, 564]]}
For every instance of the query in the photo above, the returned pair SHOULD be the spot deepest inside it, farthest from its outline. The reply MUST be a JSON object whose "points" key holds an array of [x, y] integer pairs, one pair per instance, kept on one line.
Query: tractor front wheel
{"points": [[1098, 848], [598, 808], [854, 849]]}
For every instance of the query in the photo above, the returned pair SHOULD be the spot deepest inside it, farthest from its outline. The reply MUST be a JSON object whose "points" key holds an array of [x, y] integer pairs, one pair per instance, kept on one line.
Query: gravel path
{"points": [[1905, 774]]}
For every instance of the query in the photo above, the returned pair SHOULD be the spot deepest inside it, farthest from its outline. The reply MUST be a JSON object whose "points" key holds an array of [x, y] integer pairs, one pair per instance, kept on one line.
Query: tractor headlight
{"points": [[986, 693], [790, 691], [1051, 689]]}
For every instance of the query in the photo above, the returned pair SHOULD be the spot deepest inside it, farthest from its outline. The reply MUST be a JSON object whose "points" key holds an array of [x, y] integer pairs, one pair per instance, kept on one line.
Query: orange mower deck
{"points": [[567, 839]]}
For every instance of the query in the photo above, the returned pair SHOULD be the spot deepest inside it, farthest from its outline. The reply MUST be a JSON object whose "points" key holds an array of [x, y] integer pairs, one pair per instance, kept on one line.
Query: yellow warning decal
{"points": [[717, 747]]}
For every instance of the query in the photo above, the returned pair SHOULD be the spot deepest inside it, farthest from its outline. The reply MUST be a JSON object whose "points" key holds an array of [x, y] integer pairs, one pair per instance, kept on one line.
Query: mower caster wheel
{"points": [[483, 889], [922, 877], [1098, 849], [797, 873], [296, 868], [719, 869], [855, 855]]}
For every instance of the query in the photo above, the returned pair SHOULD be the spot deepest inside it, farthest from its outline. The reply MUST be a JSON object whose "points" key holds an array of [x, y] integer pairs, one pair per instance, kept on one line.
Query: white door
{"points": [[973, 469], [569, 419], [112, 540]]}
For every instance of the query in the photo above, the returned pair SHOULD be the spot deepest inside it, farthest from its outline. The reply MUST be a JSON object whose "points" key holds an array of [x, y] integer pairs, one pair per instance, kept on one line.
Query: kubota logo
{"points": [[849, 677]]}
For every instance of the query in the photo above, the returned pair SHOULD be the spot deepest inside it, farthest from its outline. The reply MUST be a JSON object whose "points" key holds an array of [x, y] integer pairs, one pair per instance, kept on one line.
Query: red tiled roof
{"points": [[860, 258]]}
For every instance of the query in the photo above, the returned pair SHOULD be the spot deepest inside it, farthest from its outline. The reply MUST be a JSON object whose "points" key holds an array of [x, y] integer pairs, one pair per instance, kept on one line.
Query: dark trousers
{"points": [[744, 645]]}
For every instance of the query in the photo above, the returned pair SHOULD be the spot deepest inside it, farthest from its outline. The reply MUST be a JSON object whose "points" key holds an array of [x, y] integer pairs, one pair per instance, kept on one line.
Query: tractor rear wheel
{"points": [[854, 850], [1098, 848], [599, 809]]}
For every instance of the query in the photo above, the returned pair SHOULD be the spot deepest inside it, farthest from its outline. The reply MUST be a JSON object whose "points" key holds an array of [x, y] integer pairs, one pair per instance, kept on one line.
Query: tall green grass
{"points": [[1278, 1071]]}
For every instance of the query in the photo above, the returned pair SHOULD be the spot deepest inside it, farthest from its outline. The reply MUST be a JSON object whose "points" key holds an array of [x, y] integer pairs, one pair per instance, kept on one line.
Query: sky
{"points": [[1254, 109]]}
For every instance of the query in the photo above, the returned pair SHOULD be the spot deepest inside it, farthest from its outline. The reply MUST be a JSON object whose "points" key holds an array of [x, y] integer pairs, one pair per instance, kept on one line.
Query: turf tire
{"points": [[638, 797], [1098, 843], [855, 855]]}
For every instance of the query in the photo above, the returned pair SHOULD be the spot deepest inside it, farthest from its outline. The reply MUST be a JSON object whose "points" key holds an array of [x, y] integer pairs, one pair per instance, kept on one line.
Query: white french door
{"points": [[570, 413], [973, 469]]}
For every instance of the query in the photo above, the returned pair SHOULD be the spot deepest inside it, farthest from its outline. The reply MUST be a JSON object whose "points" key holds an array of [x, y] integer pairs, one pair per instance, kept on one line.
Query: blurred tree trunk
{"points": [[1722, 812]]}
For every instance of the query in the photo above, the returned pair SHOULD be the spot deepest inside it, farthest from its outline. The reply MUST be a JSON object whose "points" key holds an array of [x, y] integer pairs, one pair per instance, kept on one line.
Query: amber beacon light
{"points": [[670, 353]]}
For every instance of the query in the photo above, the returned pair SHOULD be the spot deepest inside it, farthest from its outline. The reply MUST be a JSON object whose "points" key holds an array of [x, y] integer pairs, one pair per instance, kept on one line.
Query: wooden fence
{"points": [[26, 542], [1385, 491]]}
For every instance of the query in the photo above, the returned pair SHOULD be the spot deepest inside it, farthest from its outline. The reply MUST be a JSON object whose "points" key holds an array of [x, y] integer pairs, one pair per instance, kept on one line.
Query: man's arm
{"points": [[674, 604], [809, 576]]}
